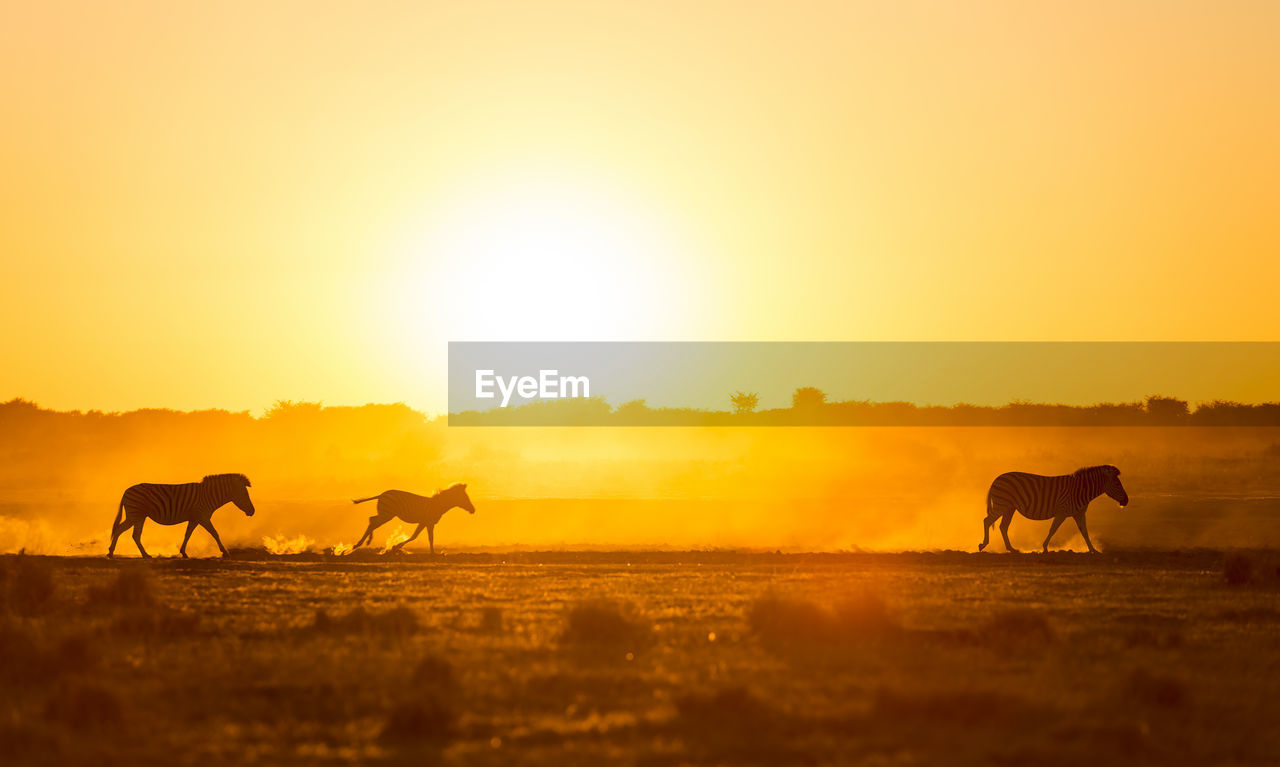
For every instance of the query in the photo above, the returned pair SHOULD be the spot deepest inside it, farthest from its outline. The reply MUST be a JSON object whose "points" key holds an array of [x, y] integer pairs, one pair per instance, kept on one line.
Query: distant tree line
{"points": [[809, 407]]}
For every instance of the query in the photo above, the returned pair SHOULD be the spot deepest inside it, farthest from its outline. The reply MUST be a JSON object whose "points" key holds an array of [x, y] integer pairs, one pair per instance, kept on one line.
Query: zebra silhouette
{"points": [[421, 510], [193, 503], [1039, 497]]}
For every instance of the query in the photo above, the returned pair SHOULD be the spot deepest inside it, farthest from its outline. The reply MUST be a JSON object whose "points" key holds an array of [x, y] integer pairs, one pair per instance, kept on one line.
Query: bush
{"points": [[158, 623], [30, 587], [490, 620], [1155, 689], [733, 708], [1019, 627], [398, 621], [1237, 569], [602, 622], [433, 672], [82, 706], [130, 588], [784, 619], [426, 720]]}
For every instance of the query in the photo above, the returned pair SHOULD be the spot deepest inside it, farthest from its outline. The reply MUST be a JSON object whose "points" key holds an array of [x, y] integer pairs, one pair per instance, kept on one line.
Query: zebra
{"points": [[1039, 497], [192, 502], [425, 512]]}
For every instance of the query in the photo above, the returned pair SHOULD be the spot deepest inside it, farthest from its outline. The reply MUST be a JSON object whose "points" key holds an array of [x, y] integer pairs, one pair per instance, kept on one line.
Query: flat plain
{"points": [[659, 658]]}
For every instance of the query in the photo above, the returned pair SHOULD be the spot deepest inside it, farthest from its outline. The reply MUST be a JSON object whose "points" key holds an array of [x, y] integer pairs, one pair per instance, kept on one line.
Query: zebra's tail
{"points": [[119, 514], [362, 500]]}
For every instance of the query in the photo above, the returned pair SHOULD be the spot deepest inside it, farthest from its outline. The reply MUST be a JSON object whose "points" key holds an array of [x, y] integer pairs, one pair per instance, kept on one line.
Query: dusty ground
{"points": [[579, 658]]}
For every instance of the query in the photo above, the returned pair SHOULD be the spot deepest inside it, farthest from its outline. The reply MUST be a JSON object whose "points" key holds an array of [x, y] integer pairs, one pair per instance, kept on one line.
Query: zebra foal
{"points": [[1056, 498], [421, 510], [192, 502]]}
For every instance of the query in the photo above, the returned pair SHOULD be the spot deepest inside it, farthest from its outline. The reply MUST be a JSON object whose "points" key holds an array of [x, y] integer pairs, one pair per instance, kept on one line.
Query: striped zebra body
{"points": [[1039, 497], [424, 511], [192, 503]]}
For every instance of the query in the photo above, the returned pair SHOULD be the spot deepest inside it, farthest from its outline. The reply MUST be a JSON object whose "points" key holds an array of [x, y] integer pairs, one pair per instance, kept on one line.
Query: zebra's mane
{"points": [[214, 477], [1084, 470], [454, 486]]}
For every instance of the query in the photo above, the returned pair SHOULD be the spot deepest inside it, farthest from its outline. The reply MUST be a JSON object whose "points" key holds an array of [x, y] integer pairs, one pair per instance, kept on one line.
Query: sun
{"points": [[546, 257]]}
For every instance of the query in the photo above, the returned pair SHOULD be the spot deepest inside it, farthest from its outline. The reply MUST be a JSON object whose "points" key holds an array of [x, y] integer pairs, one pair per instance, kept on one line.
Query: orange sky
{"points": [[225, 204]]}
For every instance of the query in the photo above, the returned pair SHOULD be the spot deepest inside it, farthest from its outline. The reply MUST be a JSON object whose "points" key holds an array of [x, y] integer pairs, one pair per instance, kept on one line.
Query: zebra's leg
{"points": [[191, 526], [207, 524], [1084, 531], [431, 538], [137, 537], [1004, 530], [1057, 520], [986, 529], [374, 523], [416, 533], [116, 532]]}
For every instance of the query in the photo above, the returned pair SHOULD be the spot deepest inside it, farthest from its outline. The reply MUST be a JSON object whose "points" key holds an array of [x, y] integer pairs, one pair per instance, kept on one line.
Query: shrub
{"points": [[157, 622], [602, 622], [82, 706], [490, 620], [30, 585], [784, 619], [781, 618], [130, 588], [732, 708], [1237, 569], [425, 720], [433, 672], [398, 621], [1019, 627], [1155, 689]]}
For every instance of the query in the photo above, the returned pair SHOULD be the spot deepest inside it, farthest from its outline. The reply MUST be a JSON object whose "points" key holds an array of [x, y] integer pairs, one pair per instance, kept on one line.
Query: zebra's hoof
{"points": [[981, 546]]}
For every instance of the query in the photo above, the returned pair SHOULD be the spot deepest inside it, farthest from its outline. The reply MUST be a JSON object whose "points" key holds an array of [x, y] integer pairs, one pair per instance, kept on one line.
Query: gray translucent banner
{"points": [[864, 384]]}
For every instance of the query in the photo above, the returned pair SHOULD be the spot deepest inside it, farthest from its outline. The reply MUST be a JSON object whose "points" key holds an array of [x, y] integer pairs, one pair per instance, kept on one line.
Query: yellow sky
{"points": [[223, 204]]}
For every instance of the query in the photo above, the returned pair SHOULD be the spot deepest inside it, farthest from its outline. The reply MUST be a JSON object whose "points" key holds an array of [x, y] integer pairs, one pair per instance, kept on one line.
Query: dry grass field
{"points": [[643, 658]]}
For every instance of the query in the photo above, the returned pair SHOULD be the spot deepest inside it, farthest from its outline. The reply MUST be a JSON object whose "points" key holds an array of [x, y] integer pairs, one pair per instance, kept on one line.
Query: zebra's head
{"points": [[233, 488], [1113, 487], [457, 496]]}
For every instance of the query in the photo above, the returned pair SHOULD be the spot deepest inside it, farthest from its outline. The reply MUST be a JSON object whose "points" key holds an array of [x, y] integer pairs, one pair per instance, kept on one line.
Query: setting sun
{"points": [[546, 255]]}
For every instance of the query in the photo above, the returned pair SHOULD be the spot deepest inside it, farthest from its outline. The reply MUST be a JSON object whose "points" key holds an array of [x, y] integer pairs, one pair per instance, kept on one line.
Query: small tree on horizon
{"points": [[744, 402], [808, 398]]}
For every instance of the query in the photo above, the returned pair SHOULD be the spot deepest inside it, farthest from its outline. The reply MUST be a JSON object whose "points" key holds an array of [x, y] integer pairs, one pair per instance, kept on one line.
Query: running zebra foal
{"points": [[193, 503], [1056, 498], [421, 510]]}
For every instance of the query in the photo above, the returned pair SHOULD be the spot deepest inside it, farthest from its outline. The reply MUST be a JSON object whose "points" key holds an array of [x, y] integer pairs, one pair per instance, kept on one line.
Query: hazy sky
{"points": [[222, 204]]}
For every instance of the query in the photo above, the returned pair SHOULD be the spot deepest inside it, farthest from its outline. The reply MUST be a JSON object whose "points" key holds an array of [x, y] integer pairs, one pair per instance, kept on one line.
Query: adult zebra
{"points": [[192, 502], [1039, 497]]}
